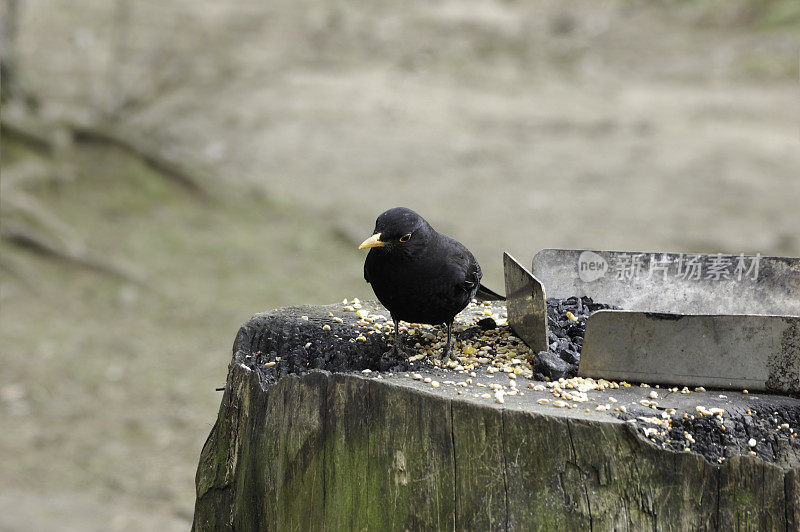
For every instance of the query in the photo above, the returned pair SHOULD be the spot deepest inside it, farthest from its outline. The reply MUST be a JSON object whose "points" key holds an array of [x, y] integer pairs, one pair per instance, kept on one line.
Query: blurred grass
{"points": [[109, 386]]}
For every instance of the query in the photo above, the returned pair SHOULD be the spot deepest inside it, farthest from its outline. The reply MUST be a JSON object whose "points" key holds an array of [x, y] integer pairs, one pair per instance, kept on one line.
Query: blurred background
{"points": [[171, 168]]}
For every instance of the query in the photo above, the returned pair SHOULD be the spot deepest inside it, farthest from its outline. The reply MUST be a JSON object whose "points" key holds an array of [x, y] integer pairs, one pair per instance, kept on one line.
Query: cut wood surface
{"points": [[316, 449]]}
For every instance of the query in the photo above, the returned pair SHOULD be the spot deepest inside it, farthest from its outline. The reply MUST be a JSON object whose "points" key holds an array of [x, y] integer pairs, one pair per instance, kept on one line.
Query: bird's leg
{"points": [[397, 351], [447, 351], [398, 342]]}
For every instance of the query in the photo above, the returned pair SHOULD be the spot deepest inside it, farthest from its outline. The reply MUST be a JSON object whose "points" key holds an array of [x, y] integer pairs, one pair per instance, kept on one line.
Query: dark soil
{"points": [[718, 438], [297, 346], [565, 337], [338, 349]]}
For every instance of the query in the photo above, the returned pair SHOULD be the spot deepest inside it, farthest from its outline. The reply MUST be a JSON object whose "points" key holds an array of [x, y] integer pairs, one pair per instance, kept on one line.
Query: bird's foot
{"points": [[447, 354], [397, 352]]}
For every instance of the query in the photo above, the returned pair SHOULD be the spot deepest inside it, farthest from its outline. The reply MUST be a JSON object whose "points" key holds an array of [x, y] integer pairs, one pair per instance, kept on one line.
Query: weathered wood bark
{"points": [[341, 452]]}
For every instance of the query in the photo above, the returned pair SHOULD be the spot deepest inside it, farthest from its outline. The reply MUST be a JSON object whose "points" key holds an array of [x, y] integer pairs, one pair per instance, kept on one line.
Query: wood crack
{"points": [[505, 463], [325, 407], [455, 467], [581, 474]]}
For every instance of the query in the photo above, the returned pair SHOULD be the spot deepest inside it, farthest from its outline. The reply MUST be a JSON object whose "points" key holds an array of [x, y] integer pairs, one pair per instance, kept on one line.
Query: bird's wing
{"points": [[467, 271], [470, 280], [473, 274]]}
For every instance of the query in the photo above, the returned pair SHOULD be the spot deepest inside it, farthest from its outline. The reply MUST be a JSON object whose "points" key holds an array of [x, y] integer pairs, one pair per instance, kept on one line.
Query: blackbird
{"points": [[418, 274]]}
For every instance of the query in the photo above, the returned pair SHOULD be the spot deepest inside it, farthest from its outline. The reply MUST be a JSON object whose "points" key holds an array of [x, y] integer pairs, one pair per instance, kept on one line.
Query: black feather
{"points": [[486, 294], [425, 278]]}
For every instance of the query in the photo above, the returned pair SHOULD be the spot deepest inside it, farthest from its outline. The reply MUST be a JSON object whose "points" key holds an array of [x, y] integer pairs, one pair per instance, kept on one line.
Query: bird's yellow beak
{"points": [[372, 242]]}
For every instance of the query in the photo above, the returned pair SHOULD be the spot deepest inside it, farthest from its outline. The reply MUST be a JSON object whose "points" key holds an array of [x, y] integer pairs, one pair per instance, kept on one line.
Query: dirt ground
{"points": [[511, 126]]}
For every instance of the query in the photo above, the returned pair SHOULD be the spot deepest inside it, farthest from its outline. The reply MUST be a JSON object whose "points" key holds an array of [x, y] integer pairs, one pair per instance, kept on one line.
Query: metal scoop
{"points": [[729, 321]]}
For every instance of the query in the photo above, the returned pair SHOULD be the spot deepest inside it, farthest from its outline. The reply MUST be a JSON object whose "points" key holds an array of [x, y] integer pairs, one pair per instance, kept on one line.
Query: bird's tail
{"points": [[484, 294]]}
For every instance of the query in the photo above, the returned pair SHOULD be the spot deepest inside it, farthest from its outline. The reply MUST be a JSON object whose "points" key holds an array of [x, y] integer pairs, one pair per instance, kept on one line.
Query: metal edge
{"points": [[526, 304], [546, 250], [617, 344]]}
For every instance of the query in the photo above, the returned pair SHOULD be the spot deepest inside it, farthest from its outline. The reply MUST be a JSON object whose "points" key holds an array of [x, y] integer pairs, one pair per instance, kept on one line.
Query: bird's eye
{"points": [[406, 237]]}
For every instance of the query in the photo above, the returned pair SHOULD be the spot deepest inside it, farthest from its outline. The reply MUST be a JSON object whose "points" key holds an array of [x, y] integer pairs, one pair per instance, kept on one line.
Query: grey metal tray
{"points": [[720, 320]]}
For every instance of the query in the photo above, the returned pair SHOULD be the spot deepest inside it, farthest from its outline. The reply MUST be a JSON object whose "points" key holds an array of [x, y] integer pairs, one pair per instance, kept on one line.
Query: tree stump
{"points": [[298, 448]]}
